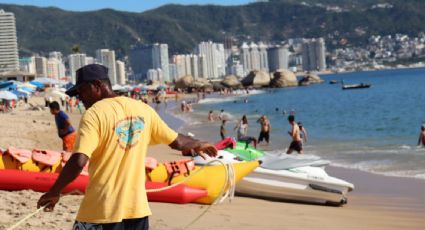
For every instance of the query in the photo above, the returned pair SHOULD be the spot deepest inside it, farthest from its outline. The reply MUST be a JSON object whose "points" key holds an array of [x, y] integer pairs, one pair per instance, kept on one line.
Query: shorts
{"points": [[264, 135], [68, 142], [296, 145], [128, 224]]}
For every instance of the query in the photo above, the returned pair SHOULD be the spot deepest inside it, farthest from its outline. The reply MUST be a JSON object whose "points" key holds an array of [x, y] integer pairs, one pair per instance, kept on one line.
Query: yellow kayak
{"points": [[8, 162], [211, 178]]}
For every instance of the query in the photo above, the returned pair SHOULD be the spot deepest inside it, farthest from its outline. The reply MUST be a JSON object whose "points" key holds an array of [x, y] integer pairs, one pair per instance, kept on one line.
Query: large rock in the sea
{"points": [[231, 81], [201, 83], [310, 79], [283, 78], [184, 82], [256, 79]]}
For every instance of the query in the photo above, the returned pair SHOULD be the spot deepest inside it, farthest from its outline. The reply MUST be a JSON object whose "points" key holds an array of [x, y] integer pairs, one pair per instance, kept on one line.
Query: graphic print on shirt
{"points": [[128, 131]]}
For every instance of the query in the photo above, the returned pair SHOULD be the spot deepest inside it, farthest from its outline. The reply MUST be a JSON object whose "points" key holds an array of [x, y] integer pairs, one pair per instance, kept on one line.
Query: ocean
{"points": [[374, 130]]}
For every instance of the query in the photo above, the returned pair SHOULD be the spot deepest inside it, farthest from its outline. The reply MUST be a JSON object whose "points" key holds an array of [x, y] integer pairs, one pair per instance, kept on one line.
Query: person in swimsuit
{"points": [[421, 139], [265, 129], [296, 143], [242, 132], [223, 130]]}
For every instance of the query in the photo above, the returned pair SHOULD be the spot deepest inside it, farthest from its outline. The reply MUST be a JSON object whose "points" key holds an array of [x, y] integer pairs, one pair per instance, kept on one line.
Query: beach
{"points": [[378, 202]]}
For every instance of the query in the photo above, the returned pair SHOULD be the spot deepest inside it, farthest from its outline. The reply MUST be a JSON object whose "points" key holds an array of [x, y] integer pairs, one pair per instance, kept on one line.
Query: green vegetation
{"points": [[41, 30]]}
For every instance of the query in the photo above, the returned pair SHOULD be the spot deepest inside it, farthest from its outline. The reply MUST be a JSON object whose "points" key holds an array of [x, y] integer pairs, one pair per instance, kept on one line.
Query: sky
{"points": [[123, 5]]}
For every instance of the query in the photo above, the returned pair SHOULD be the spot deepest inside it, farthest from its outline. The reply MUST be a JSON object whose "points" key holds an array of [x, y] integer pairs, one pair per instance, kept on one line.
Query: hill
{"points": [[41, 30]]}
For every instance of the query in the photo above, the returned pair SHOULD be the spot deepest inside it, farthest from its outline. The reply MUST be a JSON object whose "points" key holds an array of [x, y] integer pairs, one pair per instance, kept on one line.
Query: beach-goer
{"points": [[303, 132], [242, 132], [183, 106], [296, 143], [265, 129], [114, 134], [221, 115], [211, 116], [223, 130], [421, 139], [65, 130]]}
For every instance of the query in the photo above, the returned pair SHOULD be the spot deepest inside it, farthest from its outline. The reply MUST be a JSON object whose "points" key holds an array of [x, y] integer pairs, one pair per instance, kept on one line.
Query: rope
{"points": [[228, 190]]}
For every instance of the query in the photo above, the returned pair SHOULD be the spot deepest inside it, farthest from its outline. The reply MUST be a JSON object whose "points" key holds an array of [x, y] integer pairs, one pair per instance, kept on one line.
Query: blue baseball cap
{"points": [[88, 73]]}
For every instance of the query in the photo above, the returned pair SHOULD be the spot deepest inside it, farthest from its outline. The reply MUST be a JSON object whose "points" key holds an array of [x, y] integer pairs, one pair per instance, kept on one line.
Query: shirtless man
{"points": [[422, 136], [296, 143], [265, 129]]}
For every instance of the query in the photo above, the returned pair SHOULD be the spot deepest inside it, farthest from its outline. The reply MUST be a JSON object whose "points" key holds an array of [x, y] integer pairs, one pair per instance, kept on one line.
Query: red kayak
{"points": [[41, 182]]}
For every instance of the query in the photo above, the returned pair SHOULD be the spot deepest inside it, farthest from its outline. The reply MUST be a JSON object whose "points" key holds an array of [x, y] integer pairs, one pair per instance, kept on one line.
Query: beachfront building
{"points": [[189, 65], [173, 71], [237, 69], [27, 65], [40, 66], [214, 58], [57, 57], [76, 61], [146, 57], [9, 59], [154, 75], [121, 75], [106, 57], [278, 57], [254, 57], [314, 54]]}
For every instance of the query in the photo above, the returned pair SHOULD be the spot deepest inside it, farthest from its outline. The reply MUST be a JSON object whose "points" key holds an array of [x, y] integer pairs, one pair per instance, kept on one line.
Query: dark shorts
{"points": [[264, 135], [127, 224], [296, 145]]}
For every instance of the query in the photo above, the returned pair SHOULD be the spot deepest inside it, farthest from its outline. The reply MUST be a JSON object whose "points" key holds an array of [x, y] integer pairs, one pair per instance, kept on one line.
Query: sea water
{"points": [[374, 129]]}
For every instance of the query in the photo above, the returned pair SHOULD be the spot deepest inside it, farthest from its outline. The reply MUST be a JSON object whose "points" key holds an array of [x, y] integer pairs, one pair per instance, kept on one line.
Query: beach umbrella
{"points": [[29, 86], [24, 91], [117, 87], [161, 87], [19, 93], [27, 89], [56, 94], [8, 95], [5, 84], [68, 85], [37, 84]]}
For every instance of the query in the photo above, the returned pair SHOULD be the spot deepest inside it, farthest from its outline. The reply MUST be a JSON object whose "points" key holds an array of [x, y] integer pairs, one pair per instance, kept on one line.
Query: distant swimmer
{"points": [[276, 109], [211, 116], [221, 115], [265, 129], [303, 132], [296, 143], [246, 100], [421, 139]]}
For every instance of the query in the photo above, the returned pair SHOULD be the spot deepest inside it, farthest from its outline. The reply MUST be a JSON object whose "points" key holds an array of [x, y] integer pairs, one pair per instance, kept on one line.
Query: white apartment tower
{"points": [[254, 57], [215, 58], [121, 76], [278, 57], [161, 60], [9, 59], [314, 55], [40, 66], [76, 61], [106, 57]]}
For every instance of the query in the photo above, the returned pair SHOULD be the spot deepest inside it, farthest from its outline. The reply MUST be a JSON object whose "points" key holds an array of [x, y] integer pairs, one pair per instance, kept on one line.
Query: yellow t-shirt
{"points": [[115, 133]]}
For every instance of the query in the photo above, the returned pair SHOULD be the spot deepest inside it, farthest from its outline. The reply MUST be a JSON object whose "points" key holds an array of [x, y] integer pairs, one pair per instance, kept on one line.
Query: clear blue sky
{"points": [[124, 5]]}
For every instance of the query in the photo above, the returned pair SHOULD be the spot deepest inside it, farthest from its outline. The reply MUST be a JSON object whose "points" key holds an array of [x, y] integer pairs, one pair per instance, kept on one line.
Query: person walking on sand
{"points": [[265, 129], [114, 134], [296, 143], [421, 139], [242, 132], [65, 130]]}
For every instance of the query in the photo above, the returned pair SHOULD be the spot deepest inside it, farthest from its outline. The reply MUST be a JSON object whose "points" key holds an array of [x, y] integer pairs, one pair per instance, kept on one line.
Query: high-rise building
{"points": [[146, 57], [9, 59], [215, 58], [76, 61], [202, 66], [314, 55], [55, 66], [278, 57], [173, 71], [121, 76], [254, 57], [40, 66], [106, 57], [27, 65], [154, 75]]}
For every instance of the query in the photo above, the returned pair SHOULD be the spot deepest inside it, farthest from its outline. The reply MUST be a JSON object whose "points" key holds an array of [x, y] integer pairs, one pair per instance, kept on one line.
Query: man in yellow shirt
{"points": [[114, 133]]}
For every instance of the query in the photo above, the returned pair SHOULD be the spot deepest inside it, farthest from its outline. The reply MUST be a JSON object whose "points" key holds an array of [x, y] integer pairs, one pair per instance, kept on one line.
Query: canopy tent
{"points": [[5, 84], [50, 81], [57, 94], [28, 93], [8, 95]]}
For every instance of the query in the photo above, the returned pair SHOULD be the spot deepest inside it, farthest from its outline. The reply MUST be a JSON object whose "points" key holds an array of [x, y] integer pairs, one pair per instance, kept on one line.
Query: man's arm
{"points": [[186, 143], [71, 171]]}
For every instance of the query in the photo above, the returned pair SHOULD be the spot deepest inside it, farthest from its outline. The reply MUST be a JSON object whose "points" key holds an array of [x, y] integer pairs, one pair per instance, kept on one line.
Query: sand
{"points": [[378, 202]]}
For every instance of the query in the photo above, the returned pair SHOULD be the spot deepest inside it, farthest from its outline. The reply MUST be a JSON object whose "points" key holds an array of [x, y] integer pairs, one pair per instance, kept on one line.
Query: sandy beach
{"points": [[378, 202]]}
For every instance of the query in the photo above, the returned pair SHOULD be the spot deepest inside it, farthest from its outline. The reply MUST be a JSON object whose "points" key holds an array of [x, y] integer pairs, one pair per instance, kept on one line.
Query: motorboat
{"points": [[356, 86], [289, 178]]}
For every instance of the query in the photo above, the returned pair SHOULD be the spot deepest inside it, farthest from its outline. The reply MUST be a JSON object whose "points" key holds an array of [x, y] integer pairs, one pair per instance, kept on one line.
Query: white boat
{"points": [[290, 179]]}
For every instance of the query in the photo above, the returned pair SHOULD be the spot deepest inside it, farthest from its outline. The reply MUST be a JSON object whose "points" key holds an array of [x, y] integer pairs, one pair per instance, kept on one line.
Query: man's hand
{"points": [[48, 200], [205, 149]]}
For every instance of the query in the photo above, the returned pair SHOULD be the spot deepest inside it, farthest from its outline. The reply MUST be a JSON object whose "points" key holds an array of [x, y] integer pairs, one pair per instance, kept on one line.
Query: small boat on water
{"points": [[356, 86], [332, 82]]}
